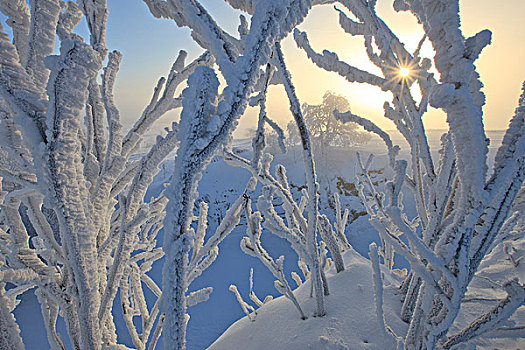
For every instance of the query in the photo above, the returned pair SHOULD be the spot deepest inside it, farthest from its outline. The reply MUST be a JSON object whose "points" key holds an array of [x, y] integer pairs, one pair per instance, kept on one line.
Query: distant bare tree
{"points": [[325, 130]]}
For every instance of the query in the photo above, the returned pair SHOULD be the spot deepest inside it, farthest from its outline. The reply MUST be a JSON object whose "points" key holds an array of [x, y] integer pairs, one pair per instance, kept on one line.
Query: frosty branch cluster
{"points": [[74, 221], [76, 227], [460, 209]]}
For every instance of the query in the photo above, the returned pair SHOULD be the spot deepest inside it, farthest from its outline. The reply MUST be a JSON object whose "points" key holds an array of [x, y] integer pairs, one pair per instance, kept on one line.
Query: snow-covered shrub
{"points": [[271, 21], [461, 207], [74, 221], [298, 230]]}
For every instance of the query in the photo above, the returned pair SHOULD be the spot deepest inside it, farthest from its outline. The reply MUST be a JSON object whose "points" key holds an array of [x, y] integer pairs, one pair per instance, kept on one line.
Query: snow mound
{"points": [[350, 321]]}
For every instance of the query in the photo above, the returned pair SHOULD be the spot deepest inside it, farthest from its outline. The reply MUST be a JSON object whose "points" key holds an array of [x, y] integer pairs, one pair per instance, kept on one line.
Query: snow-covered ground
{"points": [[347, 324], [220, 185], [351, 321]]}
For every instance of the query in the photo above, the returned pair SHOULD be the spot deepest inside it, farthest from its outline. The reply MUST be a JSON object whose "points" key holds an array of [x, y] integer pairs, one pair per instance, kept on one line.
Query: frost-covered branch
{"points": [[96, 15], [263, 175], [371, 127], [503, 186], [204, 29], [41, 39], [205, 253], [9, 331], [391, 58], [342, 219], [458, 213], [246, 308], [163, 98], [254, 297], [18, 15], [68, 20], [378, 291], [74, 221], [251, 245], [330, 62], [76, 65], [311, 182], [208, 127], [491, 319], [72, 184], [143, 177], [25, 99], [328, 235]]}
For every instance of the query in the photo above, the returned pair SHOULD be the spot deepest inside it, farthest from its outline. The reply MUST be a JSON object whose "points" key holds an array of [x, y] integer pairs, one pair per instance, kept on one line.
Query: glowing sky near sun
{"points": [[150, 45]]}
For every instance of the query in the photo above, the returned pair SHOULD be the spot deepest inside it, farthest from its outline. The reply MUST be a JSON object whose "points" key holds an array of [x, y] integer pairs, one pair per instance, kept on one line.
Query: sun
{"points": [[404, 72]]}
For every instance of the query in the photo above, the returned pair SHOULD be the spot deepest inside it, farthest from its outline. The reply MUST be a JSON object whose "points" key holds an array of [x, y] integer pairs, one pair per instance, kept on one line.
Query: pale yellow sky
{"points": [[150, 48], [501, 65]]}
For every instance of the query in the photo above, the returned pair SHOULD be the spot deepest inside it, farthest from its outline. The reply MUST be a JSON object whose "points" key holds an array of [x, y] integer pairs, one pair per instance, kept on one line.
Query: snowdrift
{"points": [[350, 321]]}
